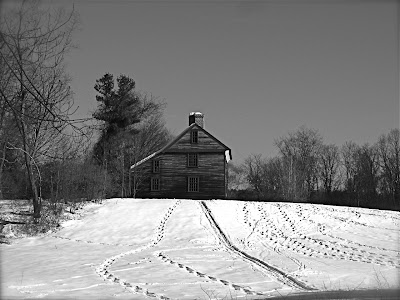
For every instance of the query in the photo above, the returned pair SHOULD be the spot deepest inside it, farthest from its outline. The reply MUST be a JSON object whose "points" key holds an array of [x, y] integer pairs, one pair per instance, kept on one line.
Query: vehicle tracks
{"points": [[274, 271]]}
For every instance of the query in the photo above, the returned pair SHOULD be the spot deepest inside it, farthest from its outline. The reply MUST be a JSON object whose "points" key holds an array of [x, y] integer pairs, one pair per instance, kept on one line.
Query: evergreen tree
{"points": [[122, 110], [119, 108]]}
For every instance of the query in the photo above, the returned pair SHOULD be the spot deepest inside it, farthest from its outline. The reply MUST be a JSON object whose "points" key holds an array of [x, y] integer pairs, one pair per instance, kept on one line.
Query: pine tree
{"points": [[121, 109]]}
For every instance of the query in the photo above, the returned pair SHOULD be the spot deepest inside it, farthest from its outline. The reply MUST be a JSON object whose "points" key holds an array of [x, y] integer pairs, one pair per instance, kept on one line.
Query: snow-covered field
{"points": [[186, 249]]}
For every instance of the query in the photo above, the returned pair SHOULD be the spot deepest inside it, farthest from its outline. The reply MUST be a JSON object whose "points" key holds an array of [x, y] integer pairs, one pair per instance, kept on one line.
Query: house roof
{"points": [[228, 154]]}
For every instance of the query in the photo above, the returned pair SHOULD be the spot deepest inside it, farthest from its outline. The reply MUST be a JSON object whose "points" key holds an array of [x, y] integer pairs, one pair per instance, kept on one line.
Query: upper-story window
{"points": [[156, 166], [194, 136], [193, 160]]}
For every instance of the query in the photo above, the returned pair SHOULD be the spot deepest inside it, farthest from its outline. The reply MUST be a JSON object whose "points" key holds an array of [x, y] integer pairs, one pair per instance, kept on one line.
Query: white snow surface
{"points": [[215, 249]]}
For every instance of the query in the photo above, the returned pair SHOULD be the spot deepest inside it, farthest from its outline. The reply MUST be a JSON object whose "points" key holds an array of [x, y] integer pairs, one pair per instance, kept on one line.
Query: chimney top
{"points": [[196, 117]]}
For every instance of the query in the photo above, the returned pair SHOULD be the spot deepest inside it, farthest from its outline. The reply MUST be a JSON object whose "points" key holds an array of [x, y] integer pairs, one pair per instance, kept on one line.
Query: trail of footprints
{"points": [[337, 210], [360, 255], [327, 249], [166, 259], [159, 237], [323, 230], [104, 272]]}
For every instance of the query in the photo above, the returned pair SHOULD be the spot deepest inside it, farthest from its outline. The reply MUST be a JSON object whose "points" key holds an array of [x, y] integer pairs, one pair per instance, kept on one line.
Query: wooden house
{"points": [[192, 166]]}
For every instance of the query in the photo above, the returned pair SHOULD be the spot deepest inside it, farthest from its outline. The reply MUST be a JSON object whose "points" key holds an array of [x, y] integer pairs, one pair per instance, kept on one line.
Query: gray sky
{"points": [[256, 69]]}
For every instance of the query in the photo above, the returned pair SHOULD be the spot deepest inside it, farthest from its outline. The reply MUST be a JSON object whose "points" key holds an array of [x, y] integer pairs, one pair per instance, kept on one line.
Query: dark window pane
{"points": [[156, 166], [193, 160], [194, 139], [193, 184], [155, 184]]}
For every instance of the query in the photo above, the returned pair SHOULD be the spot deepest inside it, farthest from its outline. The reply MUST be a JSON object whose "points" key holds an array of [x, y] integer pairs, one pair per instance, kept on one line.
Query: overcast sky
{"points": [[256, 69]]}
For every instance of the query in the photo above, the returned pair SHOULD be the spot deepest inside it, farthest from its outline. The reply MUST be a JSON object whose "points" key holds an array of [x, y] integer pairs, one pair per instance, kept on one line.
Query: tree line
{"points": [[308, 170], [44, 152]]}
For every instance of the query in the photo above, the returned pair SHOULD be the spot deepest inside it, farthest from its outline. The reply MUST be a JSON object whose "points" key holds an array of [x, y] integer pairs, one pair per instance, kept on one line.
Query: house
{"points": [[192, 166]]}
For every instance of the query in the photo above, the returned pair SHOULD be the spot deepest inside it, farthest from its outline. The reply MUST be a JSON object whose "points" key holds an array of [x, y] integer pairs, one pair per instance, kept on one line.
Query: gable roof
{"points": [[166, 147]]}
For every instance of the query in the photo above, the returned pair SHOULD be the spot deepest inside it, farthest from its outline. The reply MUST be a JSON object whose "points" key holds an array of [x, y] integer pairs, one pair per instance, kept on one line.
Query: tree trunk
{"points": [[130, 176], [105, 179], [58, 183], [32, 183], [3, 112], [28, 160], [122, 172], [1, 170]]}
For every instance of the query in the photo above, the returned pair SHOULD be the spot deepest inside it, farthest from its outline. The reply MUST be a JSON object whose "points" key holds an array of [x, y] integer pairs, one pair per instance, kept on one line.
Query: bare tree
{"points": [[329, 159], [389, 158], [273, 172], [349, 160], [236, 177], [7, 126], [254, 168], [7, 136], [299, 152], [152, 135], [366, 178], [265, 176], [33, 44]]}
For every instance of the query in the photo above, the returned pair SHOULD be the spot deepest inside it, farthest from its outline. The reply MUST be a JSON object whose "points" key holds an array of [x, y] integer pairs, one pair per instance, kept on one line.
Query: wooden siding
{"points": [[205, 143], [174, 173]]}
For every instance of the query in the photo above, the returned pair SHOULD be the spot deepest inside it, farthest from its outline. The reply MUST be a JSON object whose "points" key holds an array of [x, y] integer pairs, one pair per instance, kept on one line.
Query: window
{"points": [[155, 184], [193, 184], [194, 136], [193, 160], [156, 166]]}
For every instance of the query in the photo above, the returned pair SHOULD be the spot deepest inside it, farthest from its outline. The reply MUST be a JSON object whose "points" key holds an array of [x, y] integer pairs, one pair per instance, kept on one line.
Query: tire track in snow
{"points": [[104, 272], [274, 271], [237, 287]]}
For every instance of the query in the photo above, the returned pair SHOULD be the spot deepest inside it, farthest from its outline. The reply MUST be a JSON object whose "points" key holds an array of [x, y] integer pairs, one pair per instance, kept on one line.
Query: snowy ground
{"points": [[186, 249]]}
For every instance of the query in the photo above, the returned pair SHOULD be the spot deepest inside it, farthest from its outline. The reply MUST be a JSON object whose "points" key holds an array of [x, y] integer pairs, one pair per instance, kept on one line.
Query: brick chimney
{"points": [[196, 117]]}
